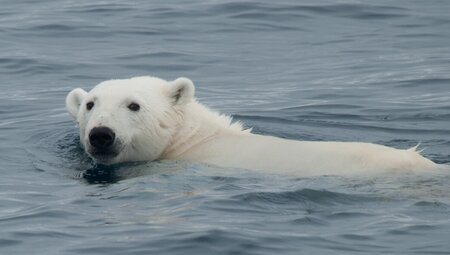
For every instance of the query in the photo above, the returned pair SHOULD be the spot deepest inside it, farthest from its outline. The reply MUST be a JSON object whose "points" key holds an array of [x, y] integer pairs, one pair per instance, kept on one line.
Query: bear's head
{"points": [[129, 120]]}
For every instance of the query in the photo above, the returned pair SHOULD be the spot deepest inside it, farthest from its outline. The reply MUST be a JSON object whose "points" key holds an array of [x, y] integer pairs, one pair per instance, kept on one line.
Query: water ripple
{"points": [[321, 197]]}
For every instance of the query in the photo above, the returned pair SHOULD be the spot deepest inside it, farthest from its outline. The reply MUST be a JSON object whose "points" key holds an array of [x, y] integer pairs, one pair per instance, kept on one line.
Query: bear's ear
{"points": [[73, 101], [182, 91]]}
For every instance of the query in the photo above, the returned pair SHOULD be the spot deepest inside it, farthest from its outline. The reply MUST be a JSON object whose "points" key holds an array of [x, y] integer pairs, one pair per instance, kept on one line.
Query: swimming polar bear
{"points": [[147, 118]]}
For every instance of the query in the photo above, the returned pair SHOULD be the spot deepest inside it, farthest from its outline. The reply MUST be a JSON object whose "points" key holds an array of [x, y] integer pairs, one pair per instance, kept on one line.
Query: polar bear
{"points": [[147, 118]]}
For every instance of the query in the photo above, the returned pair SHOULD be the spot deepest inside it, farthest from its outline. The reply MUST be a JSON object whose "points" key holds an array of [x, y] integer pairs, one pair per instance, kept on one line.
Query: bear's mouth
{"points": [[103, 157]]}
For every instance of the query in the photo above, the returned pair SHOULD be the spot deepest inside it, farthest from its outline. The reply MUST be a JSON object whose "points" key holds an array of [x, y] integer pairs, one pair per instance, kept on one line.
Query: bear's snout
{"points": [[101, 138]]}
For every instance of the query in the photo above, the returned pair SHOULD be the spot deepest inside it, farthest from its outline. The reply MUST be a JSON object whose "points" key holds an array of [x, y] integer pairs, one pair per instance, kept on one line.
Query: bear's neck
{"points": [[198, 126]]}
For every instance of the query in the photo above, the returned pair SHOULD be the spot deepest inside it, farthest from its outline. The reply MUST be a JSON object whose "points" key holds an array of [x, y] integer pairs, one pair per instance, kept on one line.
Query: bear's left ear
{"points": [[182, 91], [74, 100]]}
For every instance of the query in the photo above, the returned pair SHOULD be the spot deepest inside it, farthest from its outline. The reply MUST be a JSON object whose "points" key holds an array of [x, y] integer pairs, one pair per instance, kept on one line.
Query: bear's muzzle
{"points": [[101, 138]]}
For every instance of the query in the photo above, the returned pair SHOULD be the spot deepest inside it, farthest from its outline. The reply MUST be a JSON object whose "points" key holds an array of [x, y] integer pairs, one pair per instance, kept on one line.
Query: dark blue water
{"points": [[311, 70]]}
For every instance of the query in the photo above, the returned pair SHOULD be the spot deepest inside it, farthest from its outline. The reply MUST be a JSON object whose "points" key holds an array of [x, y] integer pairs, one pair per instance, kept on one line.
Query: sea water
{"points": [[369, 71]]}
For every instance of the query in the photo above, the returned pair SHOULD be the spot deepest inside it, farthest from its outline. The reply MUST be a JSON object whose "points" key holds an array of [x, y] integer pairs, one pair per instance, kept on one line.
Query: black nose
{"points": [[101, 137]]}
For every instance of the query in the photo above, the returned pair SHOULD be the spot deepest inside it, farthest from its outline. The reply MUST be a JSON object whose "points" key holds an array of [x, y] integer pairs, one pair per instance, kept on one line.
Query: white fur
{"points": [[171, 124]]}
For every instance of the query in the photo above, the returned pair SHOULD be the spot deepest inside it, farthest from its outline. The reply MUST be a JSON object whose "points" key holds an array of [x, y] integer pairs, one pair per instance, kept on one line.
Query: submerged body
{"points": [[231, 147], [146, 118]]}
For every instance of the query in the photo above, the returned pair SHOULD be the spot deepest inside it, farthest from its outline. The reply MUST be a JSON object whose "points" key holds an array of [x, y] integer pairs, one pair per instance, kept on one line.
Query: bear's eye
{"points": [[89, 105], [134, 107]]}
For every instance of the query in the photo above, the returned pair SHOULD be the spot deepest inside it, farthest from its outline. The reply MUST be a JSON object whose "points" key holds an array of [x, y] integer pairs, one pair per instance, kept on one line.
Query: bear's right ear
{"points": [[73, 101]]}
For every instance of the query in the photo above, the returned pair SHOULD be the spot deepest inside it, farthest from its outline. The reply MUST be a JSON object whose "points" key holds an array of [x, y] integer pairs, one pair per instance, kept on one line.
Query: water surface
{"points": [[310, 70]]}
